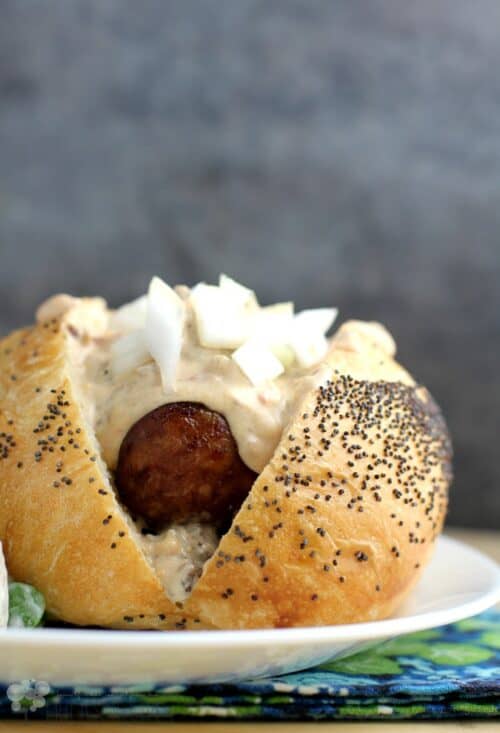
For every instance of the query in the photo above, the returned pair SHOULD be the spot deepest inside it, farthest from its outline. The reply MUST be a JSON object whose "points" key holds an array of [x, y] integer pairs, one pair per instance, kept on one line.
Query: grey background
{"points": [[340, 153]]}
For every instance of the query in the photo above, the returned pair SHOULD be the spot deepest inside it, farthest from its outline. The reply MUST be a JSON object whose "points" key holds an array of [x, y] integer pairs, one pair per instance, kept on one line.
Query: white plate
{"points": [[458, 583]]}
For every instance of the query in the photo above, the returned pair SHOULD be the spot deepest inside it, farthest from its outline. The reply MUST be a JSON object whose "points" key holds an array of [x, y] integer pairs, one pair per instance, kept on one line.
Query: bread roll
{"points": [[336, 529]]}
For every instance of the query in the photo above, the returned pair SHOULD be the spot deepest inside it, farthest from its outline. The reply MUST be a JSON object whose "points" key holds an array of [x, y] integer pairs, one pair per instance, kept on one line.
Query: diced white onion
{"points": [[309, 349], [236, 290], [222, 320], [284, 353], [264, 340], [130, 316], [129, 352], [272, 325], [307, 336], [316, 319], [164, 326], [257, 362], [272, 322]]}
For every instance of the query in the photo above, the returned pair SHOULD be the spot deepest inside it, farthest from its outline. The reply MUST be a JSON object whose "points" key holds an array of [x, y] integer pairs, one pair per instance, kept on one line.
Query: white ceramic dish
{"points": [[459, 582]]}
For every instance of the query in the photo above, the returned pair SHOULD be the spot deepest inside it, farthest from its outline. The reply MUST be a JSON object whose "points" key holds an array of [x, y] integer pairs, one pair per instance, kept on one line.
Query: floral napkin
{"points": [[450, 672]]}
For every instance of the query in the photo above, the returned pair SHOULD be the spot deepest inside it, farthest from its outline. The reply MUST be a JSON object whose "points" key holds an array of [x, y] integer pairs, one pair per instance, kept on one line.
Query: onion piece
{"points": [[130, 316], [129, 352], [307, 335], [316, 319], [257, 362], [272, 322], [272, 326], [309, 348], [237, 291], [222, 320], [284, 353], [165, 318]]}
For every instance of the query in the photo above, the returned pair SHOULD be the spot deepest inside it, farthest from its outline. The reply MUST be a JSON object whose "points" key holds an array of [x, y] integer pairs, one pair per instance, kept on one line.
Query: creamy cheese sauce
{"points": [[256, 415]]}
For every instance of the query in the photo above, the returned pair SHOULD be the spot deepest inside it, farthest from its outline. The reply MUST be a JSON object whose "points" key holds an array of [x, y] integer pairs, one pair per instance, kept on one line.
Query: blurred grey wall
{"points": [[338, 152]]}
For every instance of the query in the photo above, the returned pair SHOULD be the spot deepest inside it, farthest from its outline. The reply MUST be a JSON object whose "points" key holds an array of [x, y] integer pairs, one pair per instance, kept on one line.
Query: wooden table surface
{"points": [[487, 542]]}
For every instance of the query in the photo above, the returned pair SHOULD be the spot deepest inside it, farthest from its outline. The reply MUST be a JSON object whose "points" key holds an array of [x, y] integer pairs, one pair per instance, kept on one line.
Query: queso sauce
{"points": [[256, 415]]}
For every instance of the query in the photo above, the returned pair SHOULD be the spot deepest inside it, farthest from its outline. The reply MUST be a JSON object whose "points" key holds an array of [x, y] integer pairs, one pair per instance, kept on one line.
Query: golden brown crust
{"points": [[336, 529]]}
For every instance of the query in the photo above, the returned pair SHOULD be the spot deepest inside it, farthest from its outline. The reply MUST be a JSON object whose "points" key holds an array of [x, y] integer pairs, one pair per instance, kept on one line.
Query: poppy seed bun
{"points": [[336, 528]]}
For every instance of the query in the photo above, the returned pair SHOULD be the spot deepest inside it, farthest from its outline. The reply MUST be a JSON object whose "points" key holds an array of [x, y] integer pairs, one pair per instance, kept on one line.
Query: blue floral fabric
{"points": [[450, 672]]}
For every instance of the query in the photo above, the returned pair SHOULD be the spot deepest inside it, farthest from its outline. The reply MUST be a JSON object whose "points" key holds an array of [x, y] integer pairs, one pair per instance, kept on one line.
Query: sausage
{"points": [[180, 463]]}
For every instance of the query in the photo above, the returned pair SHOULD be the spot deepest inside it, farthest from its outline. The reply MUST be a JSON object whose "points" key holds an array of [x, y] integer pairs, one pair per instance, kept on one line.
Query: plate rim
{"points": [[298, 636]]}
